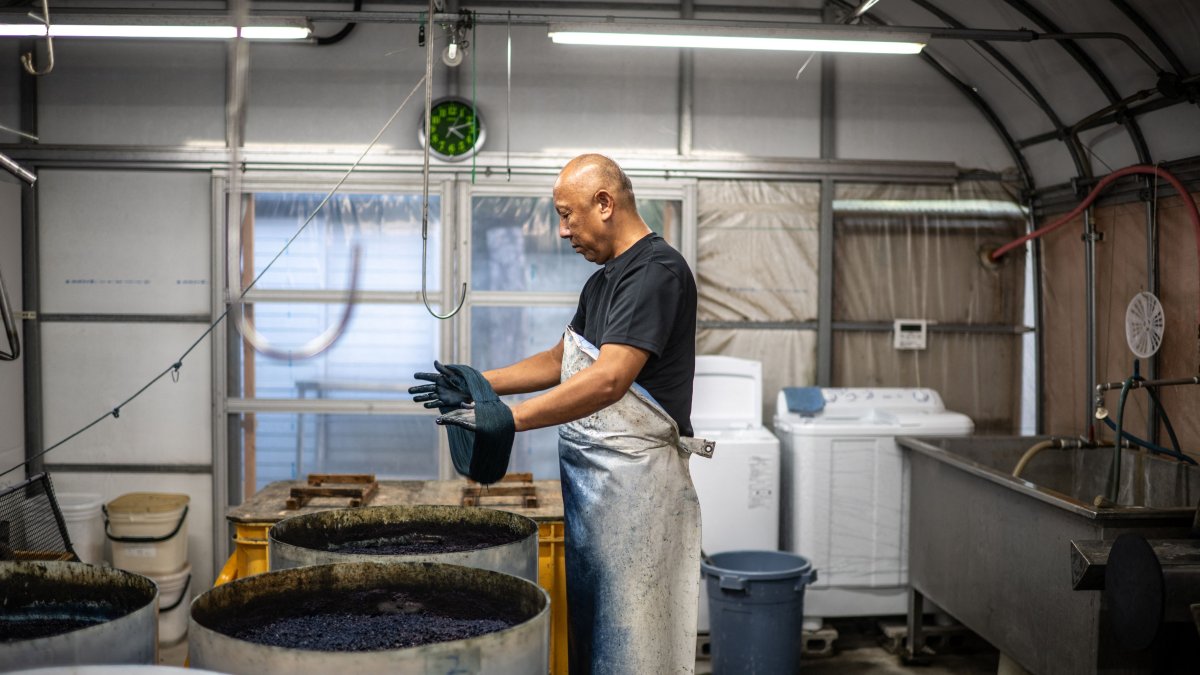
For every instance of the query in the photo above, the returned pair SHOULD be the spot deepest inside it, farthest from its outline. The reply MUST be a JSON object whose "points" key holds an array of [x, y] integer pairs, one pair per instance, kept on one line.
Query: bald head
{"points": [[592, 173], [596, 208]]}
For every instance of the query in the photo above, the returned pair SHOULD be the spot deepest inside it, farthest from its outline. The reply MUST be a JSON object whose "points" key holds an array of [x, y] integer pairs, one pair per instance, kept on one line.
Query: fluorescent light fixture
{"points": [[984, 208], [818, 38], [159, 27]]}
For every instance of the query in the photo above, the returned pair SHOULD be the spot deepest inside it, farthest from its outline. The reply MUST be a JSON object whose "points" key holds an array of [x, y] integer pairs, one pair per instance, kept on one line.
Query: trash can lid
{"points": [[757, 565]]}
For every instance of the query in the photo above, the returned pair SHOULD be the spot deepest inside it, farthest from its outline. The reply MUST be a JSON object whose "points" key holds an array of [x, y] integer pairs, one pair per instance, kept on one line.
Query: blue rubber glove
{"points": [[448, 389]]}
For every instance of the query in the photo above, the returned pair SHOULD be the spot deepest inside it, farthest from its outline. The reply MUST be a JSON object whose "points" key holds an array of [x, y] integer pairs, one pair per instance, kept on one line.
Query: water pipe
{"points": [[1143, 169]]}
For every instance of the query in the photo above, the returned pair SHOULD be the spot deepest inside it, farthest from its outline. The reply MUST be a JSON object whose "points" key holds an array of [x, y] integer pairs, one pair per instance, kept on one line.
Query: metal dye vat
{"points": [[475, 537], [64, 613], [373, 617]]}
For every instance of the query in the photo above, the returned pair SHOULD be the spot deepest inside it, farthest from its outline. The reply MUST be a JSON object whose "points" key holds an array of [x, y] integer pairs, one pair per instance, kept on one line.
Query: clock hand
{"points": [[456, 132]]}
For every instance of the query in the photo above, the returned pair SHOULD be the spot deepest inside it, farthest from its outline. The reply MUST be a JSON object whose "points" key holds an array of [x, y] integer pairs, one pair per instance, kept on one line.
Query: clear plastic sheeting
{"points": [[789, 357], [976, 374], [757, 251], [922, 261]]}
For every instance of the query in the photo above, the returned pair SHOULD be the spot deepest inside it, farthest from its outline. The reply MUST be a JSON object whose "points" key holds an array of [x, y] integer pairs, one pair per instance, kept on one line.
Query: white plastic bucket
{"points": [[85, 524], [173, 604], [148, 531]]}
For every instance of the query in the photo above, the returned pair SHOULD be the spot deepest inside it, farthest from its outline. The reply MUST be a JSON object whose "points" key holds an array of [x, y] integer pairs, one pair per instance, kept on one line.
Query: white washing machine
{"points": [[739, 486], [845, 493]]}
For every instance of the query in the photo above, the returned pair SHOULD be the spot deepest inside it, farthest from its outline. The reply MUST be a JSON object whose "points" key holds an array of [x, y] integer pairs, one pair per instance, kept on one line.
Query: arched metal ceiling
{"points": [[1106, 69]]}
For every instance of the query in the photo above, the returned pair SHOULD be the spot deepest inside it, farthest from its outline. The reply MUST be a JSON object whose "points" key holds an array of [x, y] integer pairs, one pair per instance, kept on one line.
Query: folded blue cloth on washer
{"points": [[804, 400]]}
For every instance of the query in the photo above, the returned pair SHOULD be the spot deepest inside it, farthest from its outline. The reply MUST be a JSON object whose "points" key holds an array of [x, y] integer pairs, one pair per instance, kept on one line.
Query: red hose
{"points": [[1193, 212]]}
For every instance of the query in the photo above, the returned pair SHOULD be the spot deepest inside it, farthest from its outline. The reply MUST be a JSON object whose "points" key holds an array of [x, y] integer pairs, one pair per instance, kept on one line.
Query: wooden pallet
{"points": [[367, 488], [515, 489]]}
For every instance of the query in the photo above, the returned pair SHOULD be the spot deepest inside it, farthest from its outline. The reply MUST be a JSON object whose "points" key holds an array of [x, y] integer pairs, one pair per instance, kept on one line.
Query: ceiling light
{"points": [[818, 38], [159, 27]]}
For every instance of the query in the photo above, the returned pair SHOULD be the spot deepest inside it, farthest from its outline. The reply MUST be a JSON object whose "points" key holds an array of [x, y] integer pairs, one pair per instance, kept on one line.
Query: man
{"points": [[622, 389]]}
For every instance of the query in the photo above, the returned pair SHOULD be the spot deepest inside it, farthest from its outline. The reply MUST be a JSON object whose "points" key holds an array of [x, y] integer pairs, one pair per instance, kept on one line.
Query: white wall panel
{"points": [[119, 92], [12, 395], [10, 104], [572, 98], [751, 104], [199, 520], [304, 94], [897, 107], [90, 367], [125, 242]]}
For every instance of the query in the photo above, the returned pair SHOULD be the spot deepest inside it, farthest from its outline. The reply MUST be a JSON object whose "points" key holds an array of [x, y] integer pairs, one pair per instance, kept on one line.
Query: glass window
{"points": [[287, 446], [384, 344], [376, 356], [515, 244], [388, 226]]}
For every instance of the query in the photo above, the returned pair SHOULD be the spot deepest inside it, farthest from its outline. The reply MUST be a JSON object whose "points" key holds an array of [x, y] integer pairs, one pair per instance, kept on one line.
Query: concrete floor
{"points": [[858, 650]]}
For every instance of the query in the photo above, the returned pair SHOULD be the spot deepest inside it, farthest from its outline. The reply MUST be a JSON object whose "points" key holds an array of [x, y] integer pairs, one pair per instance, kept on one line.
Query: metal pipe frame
{"points": [[1089, 66], [1082, 165], [31, 334], [489, 164], [1089, 311], [1155, 39]]}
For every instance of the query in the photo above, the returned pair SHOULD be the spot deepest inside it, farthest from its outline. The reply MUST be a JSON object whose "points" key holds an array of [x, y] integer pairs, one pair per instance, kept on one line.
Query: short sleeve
{"points": [[643, 308]]}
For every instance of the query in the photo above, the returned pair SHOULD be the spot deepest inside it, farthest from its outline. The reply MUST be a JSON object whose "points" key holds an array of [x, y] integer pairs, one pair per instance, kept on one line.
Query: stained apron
{"points": [[633, 534]]}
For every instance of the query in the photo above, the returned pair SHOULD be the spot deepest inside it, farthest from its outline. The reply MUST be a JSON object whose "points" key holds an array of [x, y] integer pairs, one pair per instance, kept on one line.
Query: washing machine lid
{"points": [[726, 393], [879, 410]]}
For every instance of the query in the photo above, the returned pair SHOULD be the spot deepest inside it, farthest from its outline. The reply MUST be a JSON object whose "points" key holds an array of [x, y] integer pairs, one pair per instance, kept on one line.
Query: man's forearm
{"points": [[538, 372], [587, 391]]}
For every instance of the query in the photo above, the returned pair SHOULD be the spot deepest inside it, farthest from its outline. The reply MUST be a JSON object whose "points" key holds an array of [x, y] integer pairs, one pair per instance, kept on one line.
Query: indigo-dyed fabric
{"points": [[481, 455]]}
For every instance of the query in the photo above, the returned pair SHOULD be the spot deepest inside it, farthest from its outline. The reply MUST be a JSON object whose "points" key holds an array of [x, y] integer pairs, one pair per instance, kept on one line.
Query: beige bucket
{"points": [[148, 531], [174, 600]]}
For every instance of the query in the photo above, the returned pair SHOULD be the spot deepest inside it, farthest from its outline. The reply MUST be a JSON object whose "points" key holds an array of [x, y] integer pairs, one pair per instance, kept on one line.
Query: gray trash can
{"points": [[756, 608]]}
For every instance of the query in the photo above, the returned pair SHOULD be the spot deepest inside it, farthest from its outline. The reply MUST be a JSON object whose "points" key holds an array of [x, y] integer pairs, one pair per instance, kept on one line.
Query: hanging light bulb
{"points": [[453, 54]]}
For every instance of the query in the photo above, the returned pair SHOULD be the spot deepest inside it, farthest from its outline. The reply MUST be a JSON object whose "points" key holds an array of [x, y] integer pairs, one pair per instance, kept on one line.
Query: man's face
{"points": [[581, 220]]}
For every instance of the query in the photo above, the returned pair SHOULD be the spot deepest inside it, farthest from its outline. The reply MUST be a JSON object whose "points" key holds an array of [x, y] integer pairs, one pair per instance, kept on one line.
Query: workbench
{"points": [[254, 518]]}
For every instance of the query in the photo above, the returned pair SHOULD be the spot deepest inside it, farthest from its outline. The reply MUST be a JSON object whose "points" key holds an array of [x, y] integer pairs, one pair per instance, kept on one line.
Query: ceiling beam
{"points": [[1089, 66], [1082, 166]]}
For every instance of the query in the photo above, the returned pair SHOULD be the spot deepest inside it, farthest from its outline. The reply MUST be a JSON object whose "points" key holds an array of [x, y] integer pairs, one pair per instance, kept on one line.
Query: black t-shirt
{"points": [[646, 298]]}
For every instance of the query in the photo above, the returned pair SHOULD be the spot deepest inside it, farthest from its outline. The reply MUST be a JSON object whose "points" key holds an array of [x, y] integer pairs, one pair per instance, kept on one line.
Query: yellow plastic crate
{"points": [[249, 553], [552, 575]]}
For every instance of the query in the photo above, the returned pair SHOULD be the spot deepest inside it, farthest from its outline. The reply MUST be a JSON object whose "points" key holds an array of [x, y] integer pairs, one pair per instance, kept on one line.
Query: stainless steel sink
{"points": [[993, 550]]}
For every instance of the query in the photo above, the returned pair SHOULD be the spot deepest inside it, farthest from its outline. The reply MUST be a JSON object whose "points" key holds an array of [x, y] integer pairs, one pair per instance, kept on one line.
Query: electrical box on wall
{"points": [[910, 333]]}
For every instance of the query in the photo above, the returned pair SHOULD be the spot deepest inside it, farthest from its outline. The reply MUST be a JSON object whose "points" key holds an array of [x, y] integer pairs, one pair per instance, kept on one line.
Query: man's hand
{"points": [[448, 390], [463, 417]]}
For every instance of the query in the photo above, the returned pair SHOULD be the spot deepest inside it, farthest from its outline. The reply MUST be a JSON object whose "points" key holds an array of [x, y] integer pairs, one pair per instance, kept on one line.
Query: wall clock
{"points": [[456, 130]]}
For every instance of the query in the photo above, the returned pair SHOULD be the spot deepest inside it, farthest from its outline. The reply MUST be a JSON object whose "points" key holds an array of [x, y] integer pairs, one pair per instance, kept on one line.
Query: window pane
{"points": [[387, 226], [375, 358], [504, 335], [288, 446], [515, 244], [515, 247]]}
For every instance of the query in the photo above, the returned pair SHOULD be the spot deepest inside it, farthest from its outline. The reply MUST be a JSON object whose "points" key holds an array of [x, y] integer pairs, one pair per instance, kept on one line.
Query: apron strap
{"points": [[697, 446]]}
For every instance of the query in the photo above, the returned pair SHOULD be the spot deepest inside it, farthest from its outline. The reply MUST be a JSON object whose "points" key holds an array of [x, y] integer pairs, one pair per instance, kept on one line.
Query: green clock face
{"points": [[456, 131]]}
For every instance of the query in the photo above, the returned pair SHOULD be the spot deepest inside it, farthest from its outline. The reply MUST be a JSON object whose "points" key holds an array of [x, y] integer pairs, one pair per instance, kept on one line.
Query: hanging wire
{"points": [[18, 132], [474, 105], [27, 57], [508, 109], [425, 177]]}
